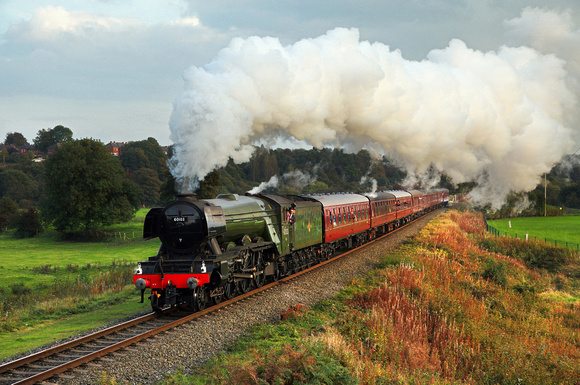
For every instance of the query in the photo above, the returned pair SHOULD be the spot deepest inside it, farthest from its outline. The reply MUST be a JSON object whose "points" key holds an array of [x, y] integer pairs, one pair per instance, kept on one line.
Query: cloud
{"points": [[71, 53], [84, 60], [499, 117], [51, 23]]}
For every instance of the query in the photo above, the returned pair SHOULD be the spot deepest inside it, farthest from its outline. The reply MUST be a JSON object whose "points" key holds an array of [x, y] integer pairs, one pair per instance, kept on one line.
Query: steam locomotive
{"points": [[214, 249]]}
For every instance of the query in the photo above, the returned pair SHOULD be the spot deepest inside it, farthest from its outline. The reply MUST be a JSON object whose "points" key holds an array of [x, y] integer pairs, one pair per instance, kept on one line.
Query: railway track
{"points": [[63, 360]]}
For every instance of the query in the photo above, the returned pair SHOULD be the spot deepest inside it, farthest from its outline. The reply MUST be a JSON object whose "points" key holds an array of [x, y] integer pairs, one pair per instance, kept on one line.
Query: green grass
{"points": [[21, 258], [562, 228], [51, 289], [104, 311]]}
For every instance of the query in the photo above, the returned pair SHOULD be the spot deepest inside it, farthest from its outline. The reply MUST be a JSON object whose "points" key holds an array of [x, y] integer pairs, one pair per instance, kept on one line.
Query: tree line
{"points": [[82, 187]]}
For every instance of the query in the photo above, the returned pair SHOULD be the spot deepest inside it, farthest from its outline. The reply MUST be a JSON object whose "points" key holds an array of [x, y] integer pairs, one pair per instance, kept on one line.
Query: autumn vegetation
{"points": [[454, 305]]}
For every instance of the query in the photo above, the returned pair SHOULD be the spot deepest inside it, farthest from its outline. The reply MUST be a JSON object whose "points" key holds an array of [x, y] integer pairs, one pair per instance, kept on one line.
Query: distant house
{"points": [[51, 149], [26, 148], [115, 147], [8, 147]]}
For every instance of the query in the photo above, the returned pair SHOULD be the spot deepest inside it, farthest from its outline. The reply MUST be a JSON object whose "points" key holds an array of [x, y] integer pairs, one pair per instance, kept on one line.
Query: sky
{"points": [[112, 69]]}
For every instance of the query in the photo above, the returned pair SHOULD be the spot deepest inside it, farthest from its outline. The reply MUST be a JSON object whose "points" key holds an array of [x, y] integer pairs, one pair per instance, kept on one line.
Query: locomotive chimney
{"points": [[189, 196]]}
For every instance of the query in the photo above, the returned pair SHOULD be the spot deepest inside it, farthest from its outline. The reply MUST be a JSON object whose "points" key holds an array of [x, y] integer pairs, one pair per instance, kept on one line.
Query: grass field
{"points": [[51, 289], [27, 260], [561, 228]]}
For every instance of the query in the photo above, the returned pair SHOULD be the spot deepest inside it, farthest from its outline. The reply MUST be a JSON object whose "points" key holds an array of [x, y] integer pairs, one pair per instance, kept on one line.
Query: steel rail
{"points": [[71, 344]]}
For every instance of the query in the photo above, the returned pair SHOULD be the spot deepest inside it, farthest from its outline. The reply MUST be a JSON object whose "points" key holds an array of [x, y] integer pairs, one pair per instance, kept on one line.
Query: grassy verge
{"points": [[81, 317], [442, 309], [52, 289]]}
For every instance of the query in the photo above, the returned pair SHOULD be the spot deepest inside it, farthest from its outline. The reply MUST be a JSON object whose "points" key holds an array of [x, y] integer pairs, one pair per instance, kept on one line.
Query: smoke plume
{"points": [[271, 183], [296, 179], [502, 118], [370, 183]]}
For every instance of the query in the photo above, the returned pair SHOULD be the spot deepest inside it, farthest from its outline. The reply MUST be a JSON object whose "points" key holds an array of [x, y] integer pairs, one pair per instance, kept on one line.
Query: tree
{"points": [[28, 224], [86, 188], [133, 159], [48, 137], [17, 185], [146, 179], [209, 186], [8, 210], [262, 165], [167, 190], [151, 150], [570, 195], [15, 138]]}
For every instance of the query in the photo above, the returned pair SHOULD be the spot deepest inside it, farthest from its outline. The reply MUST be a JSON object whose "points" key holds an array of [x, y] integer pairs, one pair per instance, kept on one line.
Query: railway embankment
{"points": [[453, 304]]}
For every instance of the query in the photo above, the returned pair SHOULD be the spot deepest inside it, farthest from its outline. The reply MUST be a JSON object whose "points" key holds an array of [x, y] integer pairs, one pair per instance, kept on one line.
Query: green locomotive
{"points": [[212, 249]]}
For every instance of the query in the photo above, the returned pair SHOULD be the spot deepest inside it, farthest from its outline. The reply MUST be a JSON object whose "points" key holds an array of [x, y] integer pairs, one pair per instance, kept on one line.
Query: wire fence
{"points": [[555, 242]]}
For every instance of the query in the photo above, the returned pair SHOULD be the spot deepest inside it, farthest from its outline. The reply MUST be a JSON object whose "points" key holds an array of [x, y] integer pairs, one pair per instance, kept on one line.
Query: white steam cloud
{"points": [[296, 179], [271, 183], [370, 182], [502, 118]]}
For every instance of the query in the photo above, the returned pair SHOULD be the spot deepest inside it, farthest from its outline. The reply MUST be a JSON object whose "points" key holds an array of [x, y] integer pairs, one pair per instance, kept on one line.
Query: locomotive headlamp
{"points": [[192, 283], [141, 284]]}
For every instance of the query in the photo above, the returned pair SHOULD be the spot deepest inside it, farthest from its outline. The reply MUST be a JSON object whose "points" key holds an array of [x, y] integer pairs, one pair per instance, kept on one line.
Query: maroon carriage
{"points": [[344, 215], [418, 204], [383, 210]]}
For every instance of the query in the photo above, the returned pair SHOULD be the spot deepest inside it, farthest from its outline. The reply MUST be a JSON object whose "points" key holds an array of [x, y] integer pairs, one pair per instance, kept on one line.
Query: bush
{"points": [[28, 224], [19, 289], [495, 271], [532, 252], [8, 210]]}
